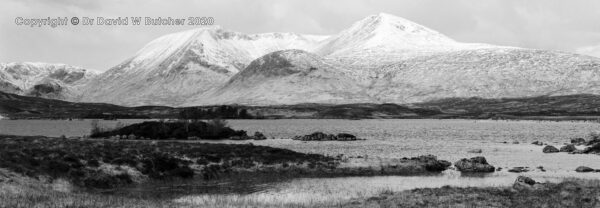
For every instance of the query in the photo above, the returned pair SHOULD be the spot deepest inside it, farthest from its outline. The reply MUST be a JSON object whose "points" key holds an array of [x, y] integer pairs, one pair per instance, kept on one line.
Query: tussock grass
{"points": [[568, 193]]}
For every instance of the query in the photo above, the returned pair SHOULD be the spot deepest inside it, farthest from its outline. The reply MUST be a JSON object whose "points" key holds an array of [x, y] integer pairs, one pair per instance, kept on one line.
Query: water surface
{"points": [[505, 144]]}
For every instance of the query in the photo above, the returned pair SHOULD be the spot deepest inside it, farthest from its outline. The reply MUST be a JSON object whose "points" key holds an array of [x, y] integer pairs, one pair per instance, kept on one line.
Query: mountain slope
{"points": [[382, 58], [59, 81], [186, 65], [487, 73], [289, 76]]}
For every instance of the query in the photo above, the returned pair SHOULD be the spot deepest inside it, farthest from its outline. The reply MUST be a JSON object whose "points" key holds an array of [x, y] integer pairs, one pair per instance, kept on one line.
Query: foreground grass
{"points": [[569, 193], [18, 191]]}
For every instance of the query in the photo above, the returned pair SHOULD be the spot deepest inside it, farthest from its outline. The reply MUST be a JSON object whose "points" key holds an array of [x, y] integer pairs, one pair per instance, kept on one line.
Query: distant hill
{"points": [[581, 106], [569, 107]]}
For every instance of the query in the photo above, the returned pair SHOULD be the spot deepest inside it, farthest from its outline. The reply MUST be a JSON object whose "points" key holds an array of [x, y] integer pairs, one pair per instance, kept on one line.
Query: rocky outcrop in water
{"points": [[432, 164], [568, 148], [537, 143], [519, 169], [550, 149], [475, 164], [584, 169], [475, 151], [320, 136]]}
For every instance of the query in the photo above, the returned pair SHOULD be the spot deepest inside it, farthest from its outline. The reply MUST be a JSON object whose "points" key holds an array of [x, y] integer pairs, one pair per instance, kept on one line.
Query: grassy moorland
{"points": [[19, 191], [109, 164], [569, 193]]}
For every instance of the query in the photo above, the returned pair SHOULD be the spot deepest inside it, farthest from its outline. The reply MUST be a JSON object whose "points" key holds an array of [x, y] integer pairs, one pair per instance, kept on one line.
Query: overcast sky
{"points": [[568, 25]]}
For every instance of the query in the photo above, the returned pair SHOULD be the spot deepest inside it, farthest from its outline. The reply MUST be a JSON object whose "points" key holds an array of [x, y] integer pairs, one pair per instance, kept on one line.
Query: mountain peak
{"points": [[385, 32], [384, 21]]}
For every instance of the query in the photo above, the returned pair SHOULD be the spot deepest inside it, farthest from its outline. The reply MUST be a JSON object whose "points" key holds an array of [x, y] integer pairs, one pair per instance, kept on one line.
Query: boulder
{"points": [[593, 142], [550, 149], [593, 138], [537, 143], [524, 182], [594, 149], [568, 148], [518, 169], [346, 137], [584, 169], [475, 164], [578, 141], [433, 164], [259, 136], [475, 151]]}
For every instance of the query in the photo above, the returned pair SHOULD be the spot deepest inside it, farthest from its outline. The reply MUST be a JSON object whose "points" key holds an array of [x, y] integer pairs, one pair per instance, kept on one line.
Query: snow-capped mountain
{"points": [[382, 39], [186, 65], [382, 58], [58, 81]]}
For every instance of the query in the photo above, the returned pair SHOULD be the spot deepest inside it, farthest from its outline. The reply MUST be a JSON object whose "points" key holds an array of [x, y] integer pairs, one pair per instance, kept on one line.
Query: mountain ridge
{"points": [[379, 59]]}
